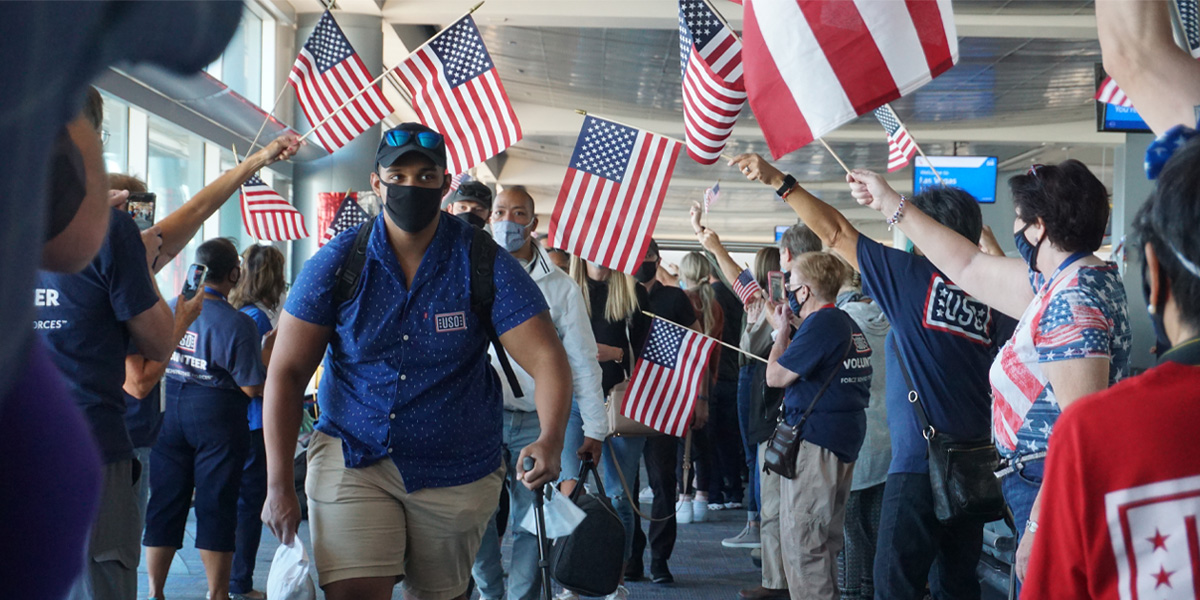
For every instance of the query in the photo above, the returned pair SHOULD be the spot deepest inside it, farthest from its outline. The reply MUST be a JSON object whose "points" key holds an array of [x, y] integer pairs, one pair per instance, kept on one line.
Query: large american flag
{"points": [[456, 90], [609, 202], [349, 215], [746, 287], [662, 391], [327, 73], [1189, 17], [901, 145], [267, 216], [812, 66], [710, 56]]}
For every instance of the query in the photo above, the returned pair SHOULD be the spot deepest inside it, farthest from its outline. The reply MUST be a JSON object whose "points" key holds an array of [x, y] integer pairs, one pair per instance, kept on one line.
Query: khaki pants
{"points": [[772, 553], [812, 515]]}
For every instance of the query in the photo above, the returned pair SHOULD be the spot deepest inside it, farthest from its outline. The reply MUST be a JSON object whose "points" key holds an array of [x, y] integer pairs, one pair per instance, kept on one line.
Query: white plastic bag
{"points": [[290, 577], [562, 516]]}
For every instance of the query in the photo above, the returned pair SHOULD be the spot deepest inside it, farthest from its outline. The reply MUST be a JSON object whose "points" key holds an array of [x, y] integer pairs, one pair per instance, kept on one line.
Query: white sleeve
{"points": [[580, 344]]}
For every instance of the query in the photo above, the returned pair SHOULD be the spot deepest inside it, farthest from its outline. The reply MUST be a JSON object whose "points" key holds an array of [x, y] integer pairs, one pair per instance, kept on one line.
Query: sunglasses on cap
{"points": [[398, 138], [1033, 169]]}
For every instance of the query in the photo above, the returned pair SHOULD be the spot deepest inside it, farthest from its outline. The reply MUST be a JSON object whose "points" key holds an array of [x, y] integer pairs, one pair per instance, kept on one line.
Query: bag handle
{"points": [[633, 503], [927, 430], [588, 466]]}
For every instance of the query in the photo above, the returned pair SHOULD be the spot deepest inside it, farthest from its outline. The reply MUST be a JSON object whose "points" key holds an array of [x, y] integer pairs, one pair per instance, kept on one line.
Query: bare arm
{"points": [[1139, 52], [831, 226], [181, 225], [151, 331], [141, 373], [535, 346], [1000, 282], [301, 346], [779, 376], [709, 240]]}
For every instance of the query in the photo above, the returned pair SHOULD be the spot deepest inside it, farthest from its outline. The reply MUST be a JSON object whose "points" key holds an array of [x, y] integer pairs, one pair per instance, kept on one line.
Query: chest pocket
{"points": [[449, 330]]}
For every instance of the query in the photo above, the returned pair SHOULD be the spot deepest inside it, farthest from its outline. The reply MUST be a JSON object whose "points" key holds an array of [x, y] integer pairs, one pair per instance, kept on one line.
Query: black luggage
{"points": [[590, 561]]}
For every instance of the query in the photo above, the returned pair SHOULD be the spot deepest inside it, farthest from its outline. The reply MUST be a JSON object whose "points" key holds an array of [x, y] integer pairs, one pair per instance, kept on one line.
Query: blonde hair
{"points": [[765, 261], [695, 269], [622, 292], [262, 278], [821, 271]]}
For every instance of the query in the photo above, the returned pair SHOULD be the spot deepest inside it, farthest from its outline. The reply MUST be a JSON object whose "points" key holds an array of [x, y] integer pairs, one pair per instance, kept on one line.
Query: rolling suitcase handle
{"points": [[539, 509]]}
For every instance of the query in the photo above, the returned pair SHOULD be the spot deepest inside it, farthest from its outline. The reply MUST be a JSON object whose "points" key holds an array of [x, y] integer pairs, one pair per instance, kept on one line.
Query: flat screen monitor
{"points": [[779, 229], [975, 174], [1116, 118]]}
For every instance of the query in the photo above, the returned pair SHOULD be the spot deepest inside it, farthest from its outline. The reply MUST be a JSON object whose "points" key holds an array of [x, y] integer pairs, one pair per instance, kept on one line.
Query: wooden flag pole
{"points": [[730, 346], [268, 117], [931, 167], [834, 155], [673, 139], [381, 76]]}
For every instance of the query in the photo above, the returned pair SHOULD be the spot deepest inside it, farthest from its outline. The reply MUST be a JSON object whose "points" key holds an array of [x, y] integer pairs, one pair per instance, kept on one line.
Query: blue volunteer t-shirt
{"points": [[948, 341], [407, 373], [221, 350], [838, 422], [263, 323], [82, 319]]}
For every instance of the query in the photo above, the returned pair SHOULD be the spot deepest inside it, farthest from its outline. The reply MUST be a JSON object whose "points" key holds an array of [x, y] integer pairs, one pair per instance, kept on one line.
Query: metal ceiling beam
{"points": [[662, 14], [541, 120]]}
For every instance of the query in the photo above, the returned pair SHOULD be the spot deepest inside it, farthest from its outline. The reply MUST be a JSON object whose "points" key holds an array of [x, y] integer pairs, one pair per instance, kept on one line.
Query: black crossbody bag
{"points": [[784, 445], [962, 473]]}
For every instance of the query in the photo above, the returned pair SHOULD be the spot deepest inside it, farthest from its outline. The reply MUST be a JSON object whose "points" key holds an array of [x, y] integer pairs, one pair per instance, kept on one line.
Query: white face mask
{"points": [[509, 235]]}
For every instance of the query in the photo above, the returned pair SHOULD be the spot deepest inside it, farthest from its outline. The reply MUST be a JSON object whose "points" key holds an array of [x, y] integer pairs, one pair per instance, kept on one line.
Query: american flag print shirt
{"points": [[1081, 314]]}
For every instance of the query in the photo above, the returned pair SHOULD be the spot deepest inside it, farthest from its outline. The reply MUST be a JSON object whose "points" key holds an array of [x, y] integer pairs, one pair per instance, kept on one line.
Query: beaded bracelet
{"points": [[896, 216]]}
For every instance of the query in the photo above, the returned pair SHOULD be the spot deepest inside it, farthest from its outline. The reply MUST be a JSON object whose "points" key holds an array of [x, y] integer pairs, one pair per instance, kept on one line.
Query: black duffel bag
{"points": [[590, 561]]}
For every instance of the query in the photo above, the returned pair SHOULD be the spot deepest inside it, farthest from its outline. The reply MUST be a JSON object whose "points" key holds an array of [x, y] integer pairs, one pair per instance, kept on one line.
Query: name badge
{"points": [[455, 321]]}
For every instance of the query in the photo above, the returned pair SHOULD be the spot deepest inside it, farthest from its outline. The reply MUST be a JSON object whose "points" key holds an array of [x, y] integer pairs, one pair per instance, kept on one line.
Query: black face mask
{"points": [[410, 207], [647, 271]]}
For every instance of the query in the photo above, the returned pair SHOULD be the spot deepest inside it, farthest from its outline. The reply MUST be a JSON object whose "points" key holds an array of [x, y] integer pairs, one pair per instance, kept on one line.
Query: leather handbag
{"points": [[784, 446], [590, 560], [618, 423], [962, 472]]}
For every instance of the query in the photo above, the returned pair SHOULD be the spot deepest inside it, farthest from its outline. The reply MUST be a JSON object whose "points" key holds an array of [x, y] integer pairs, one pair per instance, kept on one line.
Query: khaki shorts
{"points": [[365, 524]]}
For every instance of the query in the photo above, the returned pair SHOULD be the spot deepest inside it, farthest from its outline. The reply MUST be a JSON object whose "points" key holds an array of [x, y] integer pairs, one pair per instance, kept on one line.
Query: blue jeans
{"points": [[250, 504], [524, 578], [627, 452], [1020, 490], [754, 491], [915, 548], [572, 440]]}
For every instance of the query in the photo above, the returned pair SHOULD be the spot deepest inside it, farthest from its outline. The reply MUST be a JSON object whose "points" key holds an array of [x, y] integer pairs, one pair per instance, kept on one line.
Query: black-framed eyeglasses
{"points": [[397, 138]]}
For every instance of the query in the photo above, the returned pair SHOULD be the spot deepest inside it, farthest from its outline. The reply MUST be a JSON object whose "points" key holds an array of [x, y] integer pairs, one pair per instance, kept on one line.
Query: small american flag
{"points": [[710, 56], [455, 183], [609, 202], [327, 73], [1189, 17], [349, 215], [746, 287], [711, 195], [901, 145], [267, 216], [456, 91], [666, 379]]}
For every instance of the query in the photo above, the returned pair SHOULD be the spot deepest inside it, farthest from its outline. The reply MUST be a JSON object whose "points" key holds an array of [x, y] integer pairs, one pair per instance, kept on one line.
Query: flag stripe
{"points": [[860, 68], [931, 24]]}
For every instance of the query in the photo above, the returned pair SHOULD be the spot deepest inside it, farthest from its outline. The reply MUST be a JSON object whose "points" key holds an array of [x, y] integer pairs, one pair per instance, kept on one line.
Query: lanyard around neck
{"points": [[209, 290], [1072, 259]]}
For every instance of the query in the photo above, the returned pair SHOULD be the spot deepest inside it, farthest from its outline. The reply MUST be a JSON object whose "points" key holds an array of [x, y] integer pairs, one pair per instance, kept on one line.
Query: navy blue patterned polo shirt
{"points": [[407, 373]]}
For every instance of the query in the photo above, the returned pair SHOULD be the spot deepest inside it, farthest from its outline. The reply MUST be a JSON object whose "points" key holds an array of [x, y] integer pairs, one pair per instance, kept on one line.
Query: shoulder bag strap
{"points": [[914, 399], [349, 274]]}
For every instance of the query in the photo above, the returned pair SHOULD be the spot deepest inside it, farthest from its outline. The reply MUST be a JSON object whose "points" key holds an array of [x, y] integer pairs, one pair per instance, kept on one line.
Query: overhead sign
{"points": [[975, 174]]}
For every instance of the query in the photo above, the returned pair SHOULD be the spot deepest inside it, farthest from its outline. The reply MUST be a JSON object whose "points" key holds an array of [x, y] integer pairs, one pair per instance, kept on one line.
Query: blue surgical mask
{"points": [[1028, 251], [509, 235]]}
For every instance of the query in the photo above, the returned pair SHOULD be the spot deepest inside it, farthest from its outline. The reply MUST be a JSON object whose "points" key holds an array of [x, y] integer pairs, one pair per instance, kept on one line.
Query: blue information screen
{"points": [[975, 174], [779, 229], [1122, 118]]}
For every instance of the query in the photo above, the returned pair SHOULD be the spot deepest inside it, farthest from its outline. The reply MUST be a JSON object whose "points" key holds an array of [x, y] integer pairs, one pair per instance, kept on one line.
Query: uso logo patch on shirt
{"points": [[188, 342], [455, 321], [948, 308]]}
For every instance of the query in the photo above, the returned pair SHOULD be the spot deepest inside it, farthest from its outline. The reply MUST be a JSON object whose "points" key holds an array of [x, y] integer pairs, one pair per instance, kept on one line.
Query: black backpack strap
{"points": [[350, 272], [483, 296]]}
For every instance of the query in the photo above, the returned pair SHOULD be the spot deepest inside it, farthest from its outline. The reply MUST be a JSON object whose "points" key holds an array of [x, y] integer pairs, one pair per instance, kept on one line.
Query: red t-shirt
{"points": [[1121, 497]]}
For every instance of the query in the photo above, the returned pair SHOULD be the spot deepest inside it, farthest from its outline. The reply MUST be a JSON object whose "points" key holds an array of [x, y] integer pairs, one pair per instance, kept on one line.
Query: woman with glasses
{"points": [[1073, 336], [260, 294]]}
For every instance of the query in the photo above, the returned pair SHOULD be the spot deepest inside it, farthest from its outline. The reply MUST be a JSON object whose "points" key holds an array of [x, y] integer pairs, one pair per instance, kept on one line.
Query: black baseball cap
{"points": [[411, 137], [472, 191]]}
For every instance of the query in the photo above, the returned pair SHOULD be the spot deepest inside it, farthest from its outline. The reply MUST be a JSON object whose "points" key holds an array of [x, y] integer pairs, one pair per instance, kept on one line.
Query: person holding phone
{"points": [[205, 438]]}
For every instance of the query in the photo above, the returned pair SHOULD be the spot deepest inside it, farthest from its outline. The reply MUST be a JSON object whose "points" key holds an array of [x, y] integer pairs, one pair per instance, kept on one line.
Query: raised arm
{"points": [[831, 226], [535, 346], [141, 373], [997, 281], [181, 225], [1140, 54], [709, 240]]}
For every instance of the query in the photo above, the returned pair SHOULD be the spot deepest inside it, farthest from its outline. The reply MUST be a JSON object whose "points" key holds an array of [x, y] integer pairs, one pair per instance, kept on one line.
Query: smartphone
{"points": [[775, 283], [141, 207], [195, 280]]}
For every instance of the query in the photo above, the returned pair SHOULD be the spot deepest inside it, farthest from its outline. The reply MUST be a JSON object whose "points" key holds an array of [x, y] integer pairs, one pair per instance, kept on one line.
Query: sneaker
{"points": [[748, 538], [659, 573], [699, 511], [716, 506], [684, 511], [622, 593], [566, 595], [733, 505], [646, 495]]}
